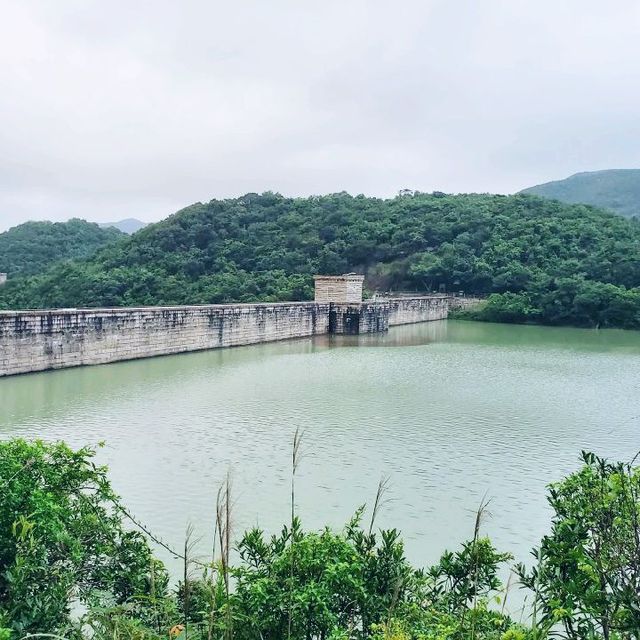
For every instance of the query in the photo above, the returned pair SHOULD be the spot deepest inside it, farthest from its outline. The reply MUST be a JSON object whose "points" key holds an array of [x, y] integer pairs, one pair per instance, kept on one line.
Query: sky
{"points": [[120, 109]]}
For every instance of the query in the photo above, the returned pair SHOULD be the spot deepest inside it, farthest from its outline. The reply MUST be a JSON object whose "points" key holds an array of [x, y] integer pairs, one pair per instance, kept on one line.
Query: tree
{"points": [[62, 538], [587, 573]]}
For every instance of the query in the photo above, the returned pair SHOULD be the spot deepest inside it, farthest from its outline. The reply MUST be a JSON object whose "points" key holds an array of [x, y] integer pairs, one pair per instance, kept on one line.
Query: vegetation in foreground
{"points": [[32, 247], [68, 544], [545, 261]]}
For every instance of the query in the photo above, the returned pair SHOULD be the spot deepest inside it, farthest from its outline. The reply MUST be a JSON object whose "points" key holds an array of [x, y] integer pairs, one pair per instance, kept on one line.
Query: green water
{"points": [[450, 411]]}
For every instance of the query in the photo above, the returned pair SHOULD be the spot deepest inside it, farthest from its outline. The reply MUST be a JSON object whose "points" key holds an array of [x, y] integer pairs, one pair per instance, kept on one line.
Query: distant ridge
{"points": [[614, 189], [128, 225], [32, 247]]}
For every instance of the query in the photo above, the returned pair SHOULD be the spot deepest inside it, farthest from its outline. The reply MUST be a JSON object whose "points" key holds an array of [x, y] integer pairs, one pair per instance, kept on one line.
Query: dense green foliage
{"points": [[62, 540], [572, 301], [564, 263], [32, 247], [587, 575], [614, 189]]}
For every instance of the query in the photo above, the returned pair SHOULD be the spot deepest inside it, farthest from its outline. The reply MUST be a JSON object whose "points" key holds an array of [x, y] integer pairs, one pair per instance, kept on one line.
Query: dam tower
{"points": [[348, 313]]}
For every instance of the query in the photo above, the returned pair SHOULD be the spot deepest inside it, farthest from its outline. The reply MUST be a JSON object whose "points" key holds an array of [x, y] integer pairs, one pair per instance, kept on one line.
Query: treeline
{"points": [[74, 565], [32, 247], [573, 301], [549, 262]]}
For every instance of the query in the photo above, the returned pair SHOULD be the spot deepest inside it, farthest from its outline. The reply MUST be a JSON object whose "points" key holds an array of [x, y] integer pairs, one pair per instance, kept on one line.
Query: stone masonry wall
{"points": [[40, 340], [464, 303], [424, 309], [346, 288], [366, 317]]}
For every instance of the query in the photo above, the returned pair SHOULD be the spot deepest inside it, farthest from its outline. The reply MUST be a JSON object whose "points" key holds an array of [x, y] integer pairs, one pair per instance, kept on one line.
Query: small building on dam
{"points": [[348, 314], [39, 340]]}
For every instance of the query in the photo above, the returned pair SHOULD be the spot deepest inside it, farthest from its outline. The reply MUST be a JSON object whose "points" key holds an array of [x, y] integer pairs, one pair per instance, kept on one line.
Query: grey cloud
{"points": [[120, 109]]}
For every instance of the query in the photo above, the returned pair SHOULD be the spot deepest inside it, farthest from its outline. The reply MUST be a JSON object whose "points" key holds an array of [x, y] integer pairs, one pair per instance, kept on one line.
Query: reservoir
{"points": [[449, 411]]}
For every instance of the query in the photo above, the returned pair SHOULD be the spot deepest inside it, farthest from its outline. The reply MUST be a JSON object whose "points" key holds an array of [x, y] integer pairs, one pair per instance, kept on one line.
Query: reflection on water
{"points": [[507, 336], [450, 410], [404, 336]]}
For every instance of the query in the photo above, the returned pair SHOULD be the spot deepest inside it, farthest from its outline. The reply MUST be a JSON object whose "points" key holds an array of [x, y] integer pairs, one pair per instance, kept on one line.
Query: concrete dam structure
{"points": [[40, 340]]}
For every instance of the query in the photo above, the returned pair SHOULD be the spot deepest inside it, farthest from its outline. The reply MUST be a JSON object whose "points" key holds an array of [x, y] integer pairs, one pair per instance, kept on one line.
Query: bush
{"points": [[587, 574], [62, 538], [62, 541]]}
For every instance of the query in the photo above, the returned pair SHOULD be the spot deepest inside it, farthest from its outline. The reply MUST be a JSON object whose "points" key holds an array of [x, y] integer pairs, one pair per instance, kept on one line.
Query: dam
{"points": [[40, 340]]}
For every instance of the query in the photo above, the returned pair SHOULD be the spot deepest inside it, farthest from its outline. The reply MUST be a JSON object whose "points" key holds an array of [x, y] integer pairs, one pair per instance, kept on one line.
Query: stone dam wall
{"points": [[40, 340], [424, 309], [54, 339]]}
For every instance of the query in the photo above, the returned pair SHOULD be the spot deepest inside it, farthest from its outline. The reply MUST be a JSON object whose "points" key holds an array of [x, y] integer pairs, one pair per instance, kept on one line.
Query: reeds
{"points": [[481, 513], [383, 486], [224, 526], [186, 577], [295, 461]]}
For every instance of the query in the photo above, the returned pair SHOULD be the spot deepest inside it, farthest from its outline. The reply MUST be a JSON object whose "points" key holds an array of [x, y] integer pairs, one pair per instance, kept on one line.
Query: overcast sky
{"points": [[115, 109]]}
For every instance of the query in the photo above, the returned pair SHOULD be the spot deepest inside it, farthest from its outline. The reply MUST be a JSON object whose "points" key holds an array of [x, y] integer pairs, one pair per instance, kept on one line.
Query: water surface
{"points": [[450, 411]]}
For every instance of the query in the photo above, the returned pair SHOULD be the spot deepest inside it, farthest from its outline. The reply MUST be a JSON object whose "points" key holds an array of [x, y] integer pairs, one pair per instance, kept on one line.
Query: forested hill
{"points": [[32, 247], [614, 189], [553, 262]]}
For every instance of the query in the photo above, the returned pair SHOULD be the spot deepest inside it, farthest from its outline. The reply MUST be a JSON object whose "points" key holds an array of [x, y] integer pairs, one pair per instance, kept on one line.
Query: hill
{"points": [[128, 225], [32, 247], [614, 189], [545, 261]]}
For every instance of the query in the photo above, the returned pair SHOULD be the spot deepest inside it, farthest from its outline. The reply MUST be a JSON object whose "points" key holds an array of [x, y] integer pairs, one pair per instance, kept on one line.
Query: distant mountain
{"points": [[32, 247], [614, 189], [129, 225]]}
